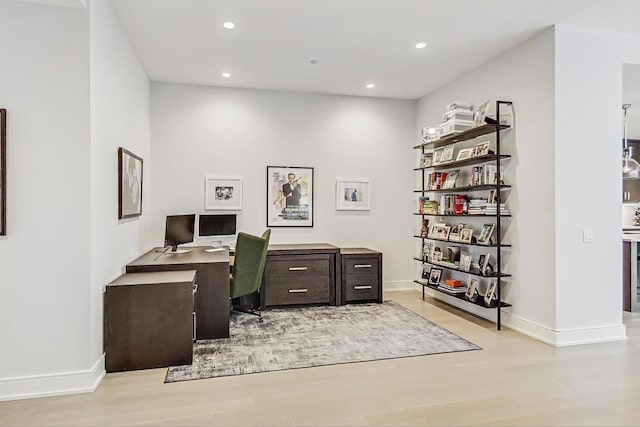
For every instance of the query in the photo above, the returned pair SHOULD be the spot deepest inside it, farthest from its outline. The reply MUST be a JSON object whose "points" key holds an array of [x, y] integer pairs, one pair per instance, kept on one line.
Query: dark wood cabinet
{"points": [[300, 274], [148, 320], [361, 275]]}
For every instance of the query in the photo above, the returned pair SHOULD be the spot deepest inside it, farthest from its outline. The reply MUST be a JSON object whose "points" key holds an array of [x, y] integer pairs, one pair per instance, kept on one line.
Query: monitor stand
{"points": [[175, 250]]}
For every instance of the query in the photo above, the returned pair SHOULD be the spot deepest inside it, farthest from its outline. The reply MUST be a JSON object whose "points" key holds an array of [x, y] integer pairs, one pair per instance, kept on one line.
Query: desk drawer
{"points": [[308, 290], [298, 266], [361, 287], [364, 265]]}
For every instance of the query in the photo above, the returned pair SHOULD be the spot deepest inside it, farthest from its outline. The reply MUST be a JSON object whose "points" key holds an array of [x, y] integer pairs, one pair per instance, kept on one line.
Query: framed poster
{"points": [[3, 172], [129, 184], [289, 196], [353, 194], [223, 193]]}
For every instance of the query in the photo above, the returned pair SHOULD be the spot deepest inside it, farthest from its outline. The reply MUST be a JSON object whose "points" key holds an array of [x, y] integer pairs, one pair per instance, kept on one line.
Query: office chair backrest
{"points": [[248, 265]]}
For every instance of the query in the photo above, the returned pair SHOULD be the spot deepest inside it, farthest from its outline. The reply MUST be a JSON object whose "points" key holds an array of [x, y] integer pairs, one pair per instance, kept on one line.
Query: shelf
{"points": [[479, 302], [463, 243], [489, 158], [472, 272], [464, 136], [465, 189], [464, 216]]}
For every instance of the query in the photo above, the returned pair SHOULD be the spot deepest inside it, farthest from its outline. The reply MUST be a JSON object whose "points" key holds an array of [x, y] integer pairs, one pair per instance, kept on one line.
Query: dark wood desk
{"points": [[212, 311]]}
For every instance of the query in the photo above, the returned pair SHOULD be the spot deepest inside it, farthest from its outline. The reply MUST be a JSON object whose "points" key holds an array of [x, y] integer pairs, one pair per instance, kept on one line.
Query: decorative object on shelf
{"points": [[465, 262], [485, 234], [490, 297], [630, 167], [472, 291], [466, 235], [450, 180], [223, 193], [481, 149], [453, 253], [3, 172], [426, 160], [353, 194], [454, 234], [129, 184], [424, 230], [437, 156], [434, 276], [480, 114], [464, 154], [447, 154], [289, 196]]}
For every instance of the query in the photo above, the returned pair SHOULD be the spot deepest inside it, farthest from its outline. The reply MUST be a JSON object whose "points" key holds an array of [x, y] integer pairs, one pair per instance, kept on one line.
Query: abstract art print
{"points": [[129, 184]]}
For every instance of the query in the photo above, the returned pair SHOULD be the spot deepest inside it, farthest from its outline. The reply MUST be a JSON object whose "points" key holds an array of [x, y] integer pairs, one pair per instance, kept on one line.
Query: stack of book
{"points": [[477, 207], [492, 209], [452, 286], [430, 207]]}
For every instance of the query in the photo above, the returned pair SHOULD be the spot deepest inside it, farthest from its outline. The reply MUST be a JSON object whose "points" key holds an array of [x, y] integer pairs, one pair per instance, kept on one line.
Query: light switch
{"points": [[588, 236]]}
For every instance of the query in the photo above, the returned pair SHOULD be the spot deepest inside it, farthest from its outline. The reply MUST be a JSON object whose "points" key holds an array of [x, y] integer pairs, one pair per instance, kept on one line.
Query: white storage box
{"points": [[458, 114], [454, 126]]}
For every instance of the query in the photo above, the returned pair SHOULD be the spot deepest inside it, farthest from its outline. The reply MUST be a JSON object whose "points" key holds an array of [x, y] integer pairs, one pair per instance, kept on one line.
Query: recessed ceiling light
{"points": [[421, 45], [370, 86], [226, 74], [313, 61], [229, 25]]}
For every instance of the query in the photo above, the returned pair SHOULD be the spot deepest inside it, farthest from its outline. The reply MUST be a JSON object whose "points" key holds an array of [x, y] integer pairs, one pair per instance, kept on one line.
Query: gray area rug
{"points": [[315, 336]]}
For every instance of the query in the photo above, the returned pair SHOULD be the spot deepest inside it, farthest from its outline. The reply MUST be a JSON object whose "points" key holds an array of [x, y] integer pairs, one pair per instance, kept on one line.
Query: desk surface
{"points": [[154, 278], [196, 254]]}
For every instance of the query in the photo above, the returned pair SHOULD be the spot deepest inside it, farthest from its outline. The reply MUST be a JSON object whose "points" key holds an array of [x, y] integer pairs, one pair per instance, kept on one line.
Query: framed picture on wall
{"points": [[3, 172], [223, 193], [289, 196], [129, 184], [353, 194]]}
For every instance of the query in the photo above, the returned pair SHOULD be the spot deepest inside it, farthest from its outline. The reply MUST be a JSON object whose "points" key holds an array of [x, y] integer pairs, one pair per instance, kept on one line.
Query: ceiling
{"points": [[355, 42]]}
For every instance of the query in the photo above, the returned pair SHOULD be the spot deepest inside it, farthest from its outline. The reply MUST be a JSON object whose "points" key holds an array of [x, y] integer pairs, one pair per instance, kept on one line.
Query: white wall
{"points": [[199, 130], [588, 130], [523, 75], [120, 117], [44, 259]]}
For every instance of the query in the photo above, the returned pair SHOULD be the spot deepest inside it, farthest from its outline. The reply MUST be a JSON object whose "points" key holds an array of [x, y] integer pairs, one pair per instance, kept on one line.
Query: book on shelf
{"points": [[450, 181], [451, 290], [436, 180]]}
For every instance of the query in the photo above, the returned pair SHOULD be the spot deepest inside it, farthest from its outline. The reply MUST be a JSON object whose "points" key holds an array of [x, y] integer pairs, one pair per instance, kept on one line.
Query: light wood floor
{"points": [[514, 380]]}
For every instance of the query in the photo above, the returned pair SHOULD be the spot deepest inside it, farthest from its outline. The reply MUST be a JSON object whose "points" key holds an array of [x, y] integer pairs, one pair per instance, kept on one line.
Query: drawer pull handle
{"points": [[362, 287], [298, 268], [298, 291], [362, 266]]}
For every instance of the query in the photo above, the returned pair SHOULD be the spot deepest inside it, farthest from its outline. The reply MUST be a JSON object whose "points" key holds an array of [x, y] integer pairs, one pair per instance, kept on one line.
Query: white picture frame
{"points": [[353, 194], [223, 193]]}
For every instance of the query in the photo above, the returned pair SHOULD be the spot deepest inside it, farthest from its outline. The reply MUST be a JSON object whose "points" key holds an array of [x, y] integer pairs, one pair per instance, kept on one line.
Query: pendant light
{"points": [[630, 168]]}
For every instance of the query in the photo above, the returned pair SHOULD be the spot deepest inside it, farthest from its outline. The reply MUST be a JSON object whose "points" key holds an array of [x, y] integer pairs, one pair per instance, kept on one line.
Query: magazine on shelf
{"points": [[450, 180]]}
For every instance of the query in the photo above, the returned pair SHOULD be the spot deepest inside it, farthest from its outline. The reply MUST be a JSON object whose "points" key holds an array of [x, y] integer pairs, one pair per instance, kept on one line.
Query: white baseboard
{"points": [[568, 337], [400, 285], [52, 384]]}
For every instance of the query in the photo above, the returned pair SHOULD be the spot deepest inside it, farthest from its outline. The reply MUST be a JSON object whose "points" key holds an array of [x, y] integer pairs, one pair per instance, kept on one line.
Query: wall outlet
{"points": [[588, 236]]}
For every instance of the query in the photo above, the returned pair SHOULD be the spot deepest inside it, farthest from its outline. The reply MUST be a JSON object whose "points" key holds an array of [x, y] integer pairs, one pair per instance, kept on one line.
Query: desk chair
{"points": [[248, 266]]}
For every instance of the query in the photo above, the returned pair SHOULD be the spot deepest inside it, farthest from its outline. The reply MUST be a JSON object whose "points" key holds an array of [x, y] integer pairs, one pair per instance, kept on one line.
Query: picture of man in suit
{"points": [[292, 191]]}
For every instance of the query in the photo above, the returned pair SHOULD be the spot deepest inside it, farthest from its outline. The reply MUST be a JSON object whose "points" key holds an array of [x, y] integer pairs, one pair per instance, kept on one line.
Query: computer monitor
{"points": [[179, 229], [217, 225]]}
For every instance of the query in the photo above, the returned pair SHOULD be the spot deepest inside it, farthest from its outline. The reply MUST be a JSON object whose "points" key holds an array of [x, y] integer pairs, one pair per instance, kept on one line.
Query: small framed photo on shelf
{"points": [[436, 255], [464, 154], [472, 291], [454, 233], [485, 234], [481, 149], [465, 262], [491, 297], [483, 264], [480, 114], [426, 160], [442, 232], [466, 235], [447, 154], [492, 196], [427, 248], [425, 273], [424, 230], [437, 156], [435, 274]]}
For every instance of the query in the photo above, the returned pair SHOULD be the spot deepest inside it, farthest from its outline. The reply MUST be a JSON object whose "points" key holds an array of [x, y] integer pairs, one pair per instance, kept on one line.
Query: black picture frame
{"points": [[435, 274], [129, 184], [3, 172], [289, 196]]}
